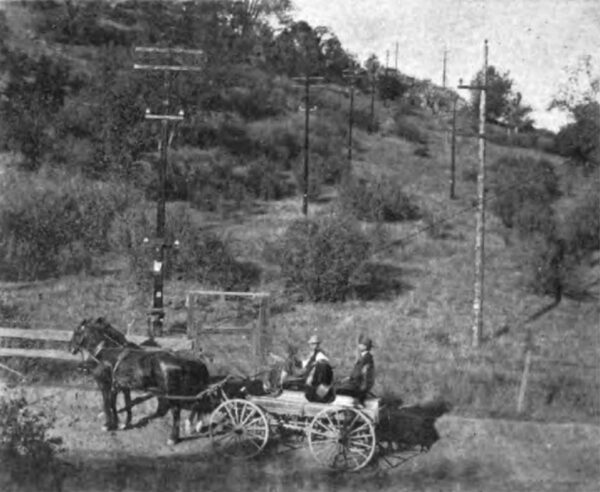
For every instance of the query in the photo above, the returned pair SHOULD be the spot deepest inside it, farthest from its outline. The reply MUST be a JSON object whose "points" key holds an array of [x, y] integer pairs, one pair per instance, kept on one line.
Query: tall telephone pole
{"points": [[169, 66], [307, 80], [480, 217], [453, 151], [350, 76], [444, 68], [396, 59]]}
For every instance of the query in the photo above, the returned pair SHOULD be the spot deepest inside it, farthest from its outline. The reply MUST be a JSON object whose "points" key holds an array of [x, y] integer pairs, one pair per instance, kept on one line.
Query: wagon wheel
{"points": [[238, 429], [342, 438]]}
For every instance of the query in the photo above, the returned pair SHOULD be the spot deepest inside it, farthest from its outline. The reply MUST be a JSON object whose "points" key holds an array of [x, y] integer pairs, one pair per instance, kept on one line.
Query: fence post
{"points": [[524, 381]]}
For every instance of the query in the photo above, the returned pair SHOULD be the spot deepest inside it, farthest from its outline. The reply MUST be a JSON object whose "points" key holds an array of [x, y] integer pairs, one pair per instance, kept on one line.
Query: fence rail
{"points": [[170, 343]]}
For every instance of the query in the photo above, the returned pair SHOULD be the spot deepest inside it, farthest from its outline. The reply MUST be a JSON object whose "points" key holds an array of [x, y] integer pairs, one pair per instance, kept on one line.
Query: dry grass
{"points": [[422, 336]]}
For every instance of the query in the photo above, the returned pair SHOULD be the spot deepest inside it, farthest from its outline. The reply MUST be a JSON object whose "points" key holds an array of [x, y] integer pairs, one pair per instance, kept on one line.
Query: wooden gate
{"points": [[230, 330]]}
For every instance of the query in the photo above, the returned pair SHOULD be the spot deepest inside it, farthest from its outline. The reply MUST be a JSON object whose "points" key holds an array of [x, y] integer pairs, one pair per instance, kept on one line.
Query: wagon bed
{"points": [[291, 402], [340, 434]]}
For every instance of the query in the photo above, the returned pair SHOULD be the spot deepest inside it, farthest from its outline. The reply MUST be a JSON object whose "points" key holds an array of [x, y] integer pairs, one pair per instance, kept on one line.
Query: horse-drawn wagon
{"points": [[341, 434]]}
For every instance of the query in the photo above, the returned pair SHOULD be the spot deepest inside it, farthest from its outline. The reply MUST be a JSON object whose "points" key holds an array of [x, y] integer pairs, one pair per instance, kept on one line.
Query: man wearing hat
{"points": [[318, 372], [362, 377]]}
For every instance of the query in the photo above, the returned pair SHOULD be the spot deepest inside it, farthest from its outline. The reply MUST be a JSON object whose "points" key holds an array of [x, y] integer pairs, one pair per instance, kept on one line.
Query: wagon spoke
{"points": [[326, 435], [327, 428], [361, 427], [246, 416]]}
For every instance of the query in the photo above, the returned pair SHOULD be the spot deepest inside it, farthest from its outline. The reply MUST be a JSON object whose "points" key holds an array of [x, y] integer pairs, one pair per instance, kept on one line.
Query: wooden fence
{"points": [[171, 343]]}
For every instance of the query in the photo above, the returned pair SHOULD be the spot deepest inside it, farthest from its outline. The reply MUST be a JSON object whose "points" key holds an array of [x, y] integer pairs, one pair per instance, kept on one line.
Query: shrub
{"points": [[517, 180], [319, 256], [544, 264], [408, 130], [377, 200], [582, 226], [535, 217], [201, 255], [55, 224], [26, 449]]}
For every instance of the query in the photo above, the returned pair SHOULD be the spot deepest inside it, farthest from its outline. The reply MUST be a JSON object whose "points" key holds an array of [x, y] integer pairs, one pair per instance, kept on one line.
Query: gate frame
{"points": [[260, 332]]}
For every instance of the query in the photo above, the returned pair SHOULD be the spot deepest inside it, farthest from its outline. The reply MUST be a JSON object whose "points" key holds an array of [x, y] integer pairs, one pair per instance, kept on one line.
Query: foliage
{"points": [[379, 200], [544, 264], [498, 94], [582, 226], [408, 130], [579, 140], [319, 256], [199, 255], [501, 103], [300, 49], [25, 445], [33, 95], [54, 224], [518, 180], [391, 87]]}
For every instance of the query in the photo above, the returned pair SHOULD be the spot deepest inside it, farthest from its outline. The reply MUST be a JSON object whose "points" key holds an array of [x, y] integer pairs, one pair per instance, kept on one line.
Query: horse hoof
{"points": [[124, 426], [107, 428], [172, 442]]}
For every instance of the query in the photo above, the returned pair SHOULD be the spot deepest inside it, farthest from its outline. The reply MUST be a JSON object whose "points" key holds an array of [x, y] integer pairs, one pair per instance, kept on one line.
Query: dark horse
{"points": [[124, 366]]}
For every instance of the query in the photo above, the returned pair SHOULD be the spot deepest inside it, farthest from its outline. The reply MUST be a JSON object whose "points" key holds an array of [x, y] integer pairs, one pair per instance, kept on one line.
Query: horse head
{"points": [[92, 335], [85, 337]]}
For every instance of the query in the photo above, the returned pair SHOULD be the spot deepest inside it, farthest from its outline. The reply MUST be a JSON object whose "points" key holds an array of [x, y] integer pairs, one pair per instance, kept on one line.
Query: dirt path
{"points": [[472, 455]]}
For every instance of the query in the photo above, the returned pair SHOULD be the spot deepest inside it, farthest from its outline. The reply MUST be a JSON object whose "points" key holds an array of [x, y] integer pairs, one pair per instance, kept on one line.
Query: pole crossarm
{"points": [[474, 87], [169, 117], [168, 68]]}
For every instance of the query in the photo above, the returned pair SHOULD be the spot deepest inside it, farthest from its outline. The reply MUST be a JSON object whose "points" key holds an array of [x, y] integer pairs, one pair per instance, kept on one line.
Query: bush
{"points": [[535, 217], [25, 446], [319, 256], [377, 200], [544, 264], [408, 130], [201, 256], [582, 226], [518, 180], [55, 224]]}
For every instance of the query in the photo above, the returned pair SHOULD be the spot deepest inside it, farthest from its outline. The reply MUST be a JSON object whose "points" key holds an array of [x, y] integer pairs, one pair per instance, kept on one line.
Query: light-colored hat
{"points": [[314, 339], [366, 341]]}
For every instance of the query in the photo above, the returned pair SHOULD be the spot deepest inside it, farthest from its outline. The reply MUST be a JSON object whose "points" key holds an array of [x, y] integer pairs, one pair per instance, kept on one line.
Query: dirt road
{"points": [[472, 455]]}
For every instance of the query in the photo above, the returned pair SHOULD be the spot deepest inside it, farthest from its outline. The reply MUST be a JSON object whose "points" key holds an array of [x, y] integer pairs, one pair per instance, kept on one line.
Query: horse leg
{"points": [[127, 397], [108, 414], [113, 408], [176, 413]]}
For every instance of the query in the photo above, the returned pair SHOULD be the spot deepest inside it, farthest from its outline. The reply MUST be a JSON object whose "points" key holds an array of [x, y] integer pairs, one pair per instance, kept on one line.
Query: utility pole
{"points": [[444, 69], [480, 226], [168, 67], [396, 59], [372, 78], [307, 79], [453, 152], [350, 76]]}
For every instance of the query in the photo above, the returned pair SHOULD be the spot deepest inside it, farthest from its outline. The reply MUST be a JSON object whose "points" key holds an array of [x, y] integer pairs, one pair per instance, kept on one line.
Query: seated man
{"points": [[362, 377], [318, 386], [315, 376]]}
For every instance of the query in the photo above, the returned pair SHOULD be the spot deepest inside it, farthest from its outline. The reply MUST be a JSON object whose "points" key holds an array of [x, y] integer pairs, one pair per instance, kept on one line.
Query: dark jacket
{"points": [[362, 376]]}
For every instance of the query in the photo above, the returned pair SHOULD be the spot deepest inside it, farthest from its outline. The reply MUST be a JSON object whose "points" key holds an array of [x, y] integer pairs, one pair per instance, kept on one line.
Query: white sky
{"points": [[532, 39]]}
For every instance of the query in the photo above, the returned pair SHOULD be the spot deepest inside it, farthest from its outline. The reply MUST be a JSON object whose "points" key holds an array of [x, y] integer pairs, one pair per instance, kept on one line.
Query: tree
{"points": [[578, 141], [34, 93], [498, 94]]}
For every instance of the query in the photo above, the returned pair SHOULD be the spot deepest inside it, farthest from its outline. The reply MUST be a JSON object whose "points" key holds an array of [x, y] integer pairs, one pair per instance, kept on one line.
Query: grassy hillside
{"points": [[230, 168], [422, 328]]}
